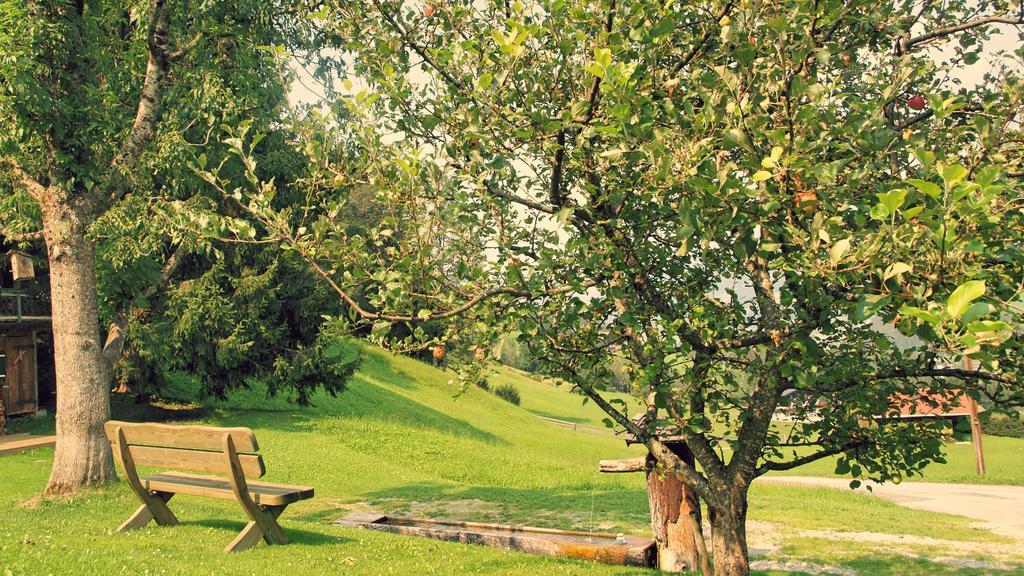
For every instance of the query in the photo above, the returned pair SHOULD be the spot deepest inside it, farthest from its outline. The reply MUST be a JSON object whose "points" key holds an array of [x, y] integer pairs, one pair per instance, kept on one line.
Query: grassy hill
{"points": [[558, 402], [1004, 457], [400, 441]]}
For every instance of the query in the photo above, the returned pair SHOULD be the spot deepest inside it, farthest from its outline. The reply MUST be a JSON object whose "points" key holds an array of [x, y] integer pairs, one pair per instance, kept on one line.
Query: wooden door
{"points": [[19, 386]]}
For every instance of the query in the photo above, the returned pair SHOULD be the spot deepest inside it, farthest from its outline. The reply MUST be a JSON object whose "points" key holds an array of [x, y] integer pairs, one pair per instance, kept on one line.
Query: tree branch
{"points": [[32, 186], [938, 372], [900, 373], [686, 473], [905, 45], [147, 115], [761, 337], [113, 347], [417, 48], [688, 58], [538, 206], [13, 236], [555, 193], [595, 87], [825, 453]]}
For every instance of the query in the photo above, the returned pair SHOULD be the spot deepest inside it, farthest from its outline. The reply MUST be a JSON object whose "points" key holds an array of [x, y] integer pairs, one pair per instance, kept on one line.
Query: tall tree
{"points": [[59, 63], [736, 198], [83, 85]]}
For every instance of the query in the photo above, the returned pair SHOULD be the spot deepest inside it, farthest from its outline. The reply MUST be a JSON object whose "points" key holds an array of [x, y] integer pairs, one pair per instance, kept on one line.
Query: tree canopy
{"points": [[735, 198]]}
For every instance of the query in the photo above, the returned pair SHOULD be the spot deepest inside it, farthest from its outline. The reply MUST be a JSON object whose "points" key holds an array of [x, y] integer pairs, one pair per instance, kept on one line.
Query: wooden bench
{"points": [[231, 453]]}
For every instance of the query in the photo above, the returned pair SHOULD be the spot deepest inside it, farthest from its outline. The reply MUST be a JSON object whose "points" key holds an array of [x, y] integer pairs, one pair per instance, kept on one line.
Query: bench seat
{"points": [[201, 461], [263, 493]]}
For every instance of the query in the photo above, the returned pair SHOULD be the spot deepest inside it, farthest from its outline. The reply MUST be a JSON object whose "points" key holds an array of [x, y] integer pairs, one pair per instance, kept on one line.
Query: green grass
{"points": [[1004, 457], [1004, 464], [398, 440], [551, 401]]}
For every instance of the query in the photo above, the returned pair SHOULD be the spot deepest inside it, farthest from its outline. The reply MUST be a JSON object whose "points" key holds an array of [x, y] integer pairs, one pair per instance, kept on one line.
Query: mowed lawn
{"points": [[550, 400], [401, 441], [1004, 464]]}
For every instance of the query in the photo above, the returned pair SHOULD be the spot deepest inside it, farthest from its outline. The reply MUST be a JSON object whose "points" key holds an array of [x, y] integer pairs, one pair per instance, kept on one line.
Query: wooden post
{"points": [[972, 405]]}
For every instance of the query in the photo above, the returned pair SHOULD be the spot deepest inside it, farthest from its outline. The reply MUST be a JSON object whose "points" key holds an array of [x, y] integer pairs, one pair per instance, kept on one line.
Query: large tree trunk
{"points": [[729, 535], [675, 516], [83, 456]]}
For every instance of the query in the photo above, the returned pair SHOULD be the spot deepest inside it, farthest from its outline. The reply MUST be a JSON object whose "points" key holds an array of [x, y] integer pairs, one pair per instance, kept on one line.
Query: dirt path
{"points": [[1001, 508]]}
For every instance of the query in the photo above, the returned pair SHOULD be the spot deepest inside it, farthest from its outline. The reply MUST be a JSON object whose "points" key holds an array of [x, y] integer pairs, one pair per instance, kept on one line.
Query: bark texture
{"points": [[729, 535], [83, 456], [675, 515]]}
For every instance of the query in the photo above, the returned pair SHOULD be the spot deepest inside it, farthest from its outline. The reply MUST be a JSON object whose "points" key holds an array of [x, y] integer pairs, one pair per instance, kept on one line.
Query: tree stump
{"points": [[675, 511], [675, 515]]}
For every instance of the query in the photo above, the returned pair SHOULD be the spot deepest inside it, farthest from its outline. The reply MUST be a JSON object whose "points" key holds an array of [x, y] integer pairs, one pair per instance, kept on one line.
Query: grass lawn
{"points": [[1004, 464], [1004, 457], [551, 401], [400, 441]]}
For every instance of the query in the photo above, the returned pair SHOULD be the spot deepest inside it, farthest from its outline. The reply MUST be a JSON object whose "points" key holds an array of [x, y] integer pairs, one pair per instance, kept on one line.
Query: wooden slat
{"points": [[23, 443], [263, 493], [194, 460], [195, 437]]}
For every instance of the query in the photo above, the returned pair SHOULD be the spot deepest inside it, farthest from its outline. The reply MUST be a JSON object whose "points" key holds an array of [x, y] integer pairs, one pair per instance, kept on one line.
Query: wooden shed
{"points": [[24, 313]]}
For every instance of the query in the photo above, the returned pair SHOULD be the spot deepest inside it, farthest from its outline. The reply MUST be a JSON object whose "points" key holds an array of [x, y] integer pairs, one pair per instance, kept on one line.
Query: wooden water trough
{"points": [[606, 548]]}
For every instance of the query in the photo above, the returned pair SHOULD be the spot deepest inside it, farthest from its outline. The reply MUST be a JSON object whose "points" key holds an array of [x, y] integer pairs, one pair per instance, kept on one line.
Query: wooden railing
{"points": [[18, 306]]}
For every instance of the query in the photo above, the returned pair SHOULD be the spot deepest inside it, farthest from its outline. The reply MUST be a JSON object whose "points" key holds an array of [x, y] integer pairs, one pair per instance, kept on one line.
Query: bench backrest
{"points": [[187, 448]]}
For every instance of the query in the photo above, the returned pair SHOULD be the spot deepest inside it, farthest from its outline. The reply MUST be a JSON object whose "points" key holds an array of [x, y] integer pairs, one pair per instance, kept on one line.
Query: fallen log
{"points": [[623, 466]]}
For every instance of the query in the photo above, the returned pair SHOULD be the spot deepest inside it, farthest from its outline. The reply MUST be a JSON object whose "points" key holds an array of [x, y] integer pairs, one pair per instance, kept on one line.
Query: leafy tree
{"points": [[733, 198], [83, 87]]}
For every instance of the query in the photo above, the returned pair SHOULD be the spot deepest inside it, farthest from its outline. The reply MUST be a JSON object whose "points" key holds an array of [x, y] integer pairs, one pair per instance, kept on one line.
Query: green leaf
{"points": [[934, 318], [962, 297], [868, 306], [895, 269], [977, 310], [838, 250], [952, 174], [484, 80], [762, 175], [380, 329], [981, 326], [892, 200], [928, 188], [735, 137]]}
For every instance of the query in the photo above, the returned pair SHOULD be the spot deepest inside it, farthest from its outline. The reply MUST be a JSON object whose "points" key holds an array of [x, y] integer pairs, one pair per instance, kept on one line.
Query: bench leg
{"points": [[264, 526], [154, 507]]}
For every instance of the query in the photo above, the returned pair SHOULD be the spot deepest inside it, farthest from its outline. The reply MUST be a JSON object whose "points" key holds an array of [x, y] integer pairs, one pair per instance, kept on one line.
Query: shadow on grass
{"points": [[296, 536], [362, 400]]}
